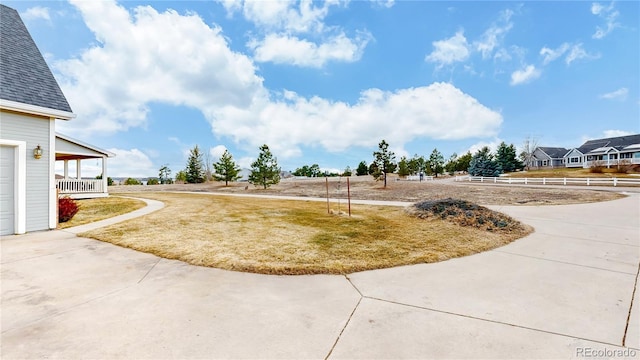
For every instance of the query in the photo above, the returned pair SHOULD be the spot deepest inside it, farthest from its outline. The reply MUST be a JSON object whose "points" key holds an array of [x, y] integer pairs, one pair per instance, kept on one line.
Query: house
{"points": [[548, 157], [602, 152], [606, 152], [30, 103], [70, 149]]}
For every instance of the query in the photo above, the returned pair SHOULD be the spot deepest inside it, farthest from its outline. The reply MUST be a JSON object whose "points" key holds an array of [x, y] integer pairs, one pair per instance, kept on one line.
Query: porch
{"points": [[72, 151]]}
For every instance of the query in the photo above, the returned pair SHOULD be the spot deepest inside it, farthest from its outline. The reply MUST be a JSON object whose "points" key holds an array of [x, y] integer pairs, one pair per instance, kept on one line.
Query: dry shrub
{"points": [[67, 208], [623, 167], [465, 213], [597, 167]]}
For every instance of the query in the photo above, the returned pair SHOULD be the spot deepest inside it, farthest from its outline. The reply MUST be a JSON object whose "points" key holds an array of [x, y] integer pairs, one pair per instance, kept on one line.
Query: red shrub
{"points": [[67, 207]]}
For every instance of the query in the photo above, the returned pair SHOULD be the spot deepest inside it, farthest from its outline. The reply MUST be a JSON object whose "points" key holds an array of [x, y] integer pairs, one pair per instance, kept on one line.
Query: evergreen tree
{"points": [[373, 169], [451, 164], [463, 162], [507, 158], [308, 171], [437, 162], [347, 171], [164, 174], [418, 165], [362, 169], [403, 167], [195, 168], [226, 169], [483, 164], [384, 160], [265, 170]]}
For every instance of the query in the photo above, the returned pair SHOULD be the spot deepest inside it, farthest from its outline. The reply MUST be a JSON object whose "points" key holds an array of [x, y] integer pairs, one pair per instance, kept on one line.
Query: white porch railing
{"points": [[611, 162], [552, 181], [73, 186]]}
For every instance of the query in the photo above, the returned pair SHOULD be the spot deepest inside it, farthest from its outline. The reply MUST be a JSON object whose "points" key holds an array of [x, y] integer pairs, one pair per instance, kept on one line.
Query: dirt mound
{"points": [[465, 213]]}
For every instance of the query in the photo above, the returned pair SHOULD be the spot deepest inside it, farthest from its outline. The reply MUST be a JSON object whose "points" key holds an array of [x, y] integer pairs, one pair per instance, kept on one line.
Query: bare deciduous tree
{"points": [[528, 147]]}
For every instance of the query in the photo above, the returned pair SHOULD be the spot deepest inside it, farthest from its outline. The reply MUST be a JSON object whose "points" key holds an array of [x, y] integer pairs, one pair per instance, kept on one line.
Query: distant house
{"points": [[30, 103], [548, 157], [606, 152]]}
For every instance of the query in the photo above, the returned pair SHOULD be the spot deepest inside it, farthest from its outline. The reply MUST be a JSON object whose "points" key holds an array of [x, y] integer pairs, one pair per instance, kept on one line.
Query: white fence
{"points": [[417, 178], [552, 181], [73, 186]]}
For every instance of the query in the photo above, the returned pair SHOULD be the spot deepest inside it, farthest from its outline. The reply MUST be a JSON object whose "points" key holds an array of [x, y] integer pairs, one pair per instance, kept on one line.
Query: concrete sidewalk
{"points": [[563, 292]]}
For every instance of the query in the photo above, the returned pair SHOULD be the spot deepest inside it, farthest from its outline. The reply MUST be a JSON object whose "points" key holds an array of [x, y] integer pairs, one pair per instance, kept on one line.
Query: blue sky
{"points": [[324, 82]]}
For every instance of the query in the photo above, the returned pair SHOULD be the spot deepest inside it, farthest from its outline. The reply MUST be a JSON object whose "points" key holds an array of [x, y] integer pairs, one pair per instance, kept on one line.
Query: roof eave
{"points": [[35, 110], [85, 145]]}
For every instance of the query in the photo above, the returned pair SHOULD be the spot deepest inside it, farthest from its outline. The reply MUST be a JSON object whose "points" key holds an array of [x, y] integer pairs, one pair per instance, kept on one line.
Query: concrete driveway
{"points": [[563, 292]]}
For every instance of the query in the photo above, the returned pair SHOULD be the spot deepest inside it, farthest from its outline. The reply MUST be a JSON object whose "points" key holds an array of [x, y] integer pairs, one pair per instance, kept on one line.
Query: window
{"points": [[575, 160], [636, 155], [613, 156], [626, 156]]}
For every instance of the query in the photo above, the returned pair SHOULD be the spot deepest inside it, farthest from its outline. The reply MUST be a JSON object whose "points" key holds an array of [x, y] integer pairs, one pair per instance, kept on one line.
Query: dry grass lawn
{"points": [[570, 173], [365, 188], [293, 237], [92, 210]]}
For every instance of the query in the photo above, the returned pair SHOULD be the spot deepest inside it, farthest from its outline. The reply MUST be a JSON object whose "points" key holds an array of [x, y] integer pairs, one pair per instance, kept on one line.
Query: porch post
{"points": [[78, 176], [66, 169], [105, 183]]}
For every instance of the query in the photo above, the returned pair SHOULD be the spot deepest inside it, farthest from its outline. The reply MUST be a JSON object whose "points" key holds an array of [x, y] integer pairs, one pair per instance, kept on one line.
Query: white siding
{"points": [[35, 131]]}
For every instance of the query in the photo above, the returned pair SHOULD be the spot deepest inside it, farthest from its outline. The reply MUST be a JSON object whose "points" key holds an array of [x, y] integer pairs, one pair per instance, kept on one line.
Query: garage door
{"points": [[7, 179]]}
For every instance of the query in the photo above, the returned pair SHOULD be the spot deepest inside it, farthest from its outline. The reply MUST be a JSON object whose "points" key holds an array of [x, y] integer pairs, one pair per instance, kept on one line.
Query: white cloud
{"points": [[620, 94], [577, 52], [494, 35], [289, 16], [573, 52], [502, 55], [145, 57], [615, 133], [448, 51], [130, 163], [439, 111], [609, 15], [177, 59], [384, 3], [245, 162], [553, 54], [295, 33], [286, 49], [35, 13], [492, 145], [217, 151], [525, 75], [489, 44]]}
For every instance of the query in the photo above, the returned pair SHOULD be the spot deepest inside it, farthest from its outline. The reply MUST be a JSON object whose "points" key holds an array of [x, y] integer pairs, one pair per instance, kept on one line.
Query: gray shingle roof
{"points": [[618, 143], [554, 152], [24, 75]]}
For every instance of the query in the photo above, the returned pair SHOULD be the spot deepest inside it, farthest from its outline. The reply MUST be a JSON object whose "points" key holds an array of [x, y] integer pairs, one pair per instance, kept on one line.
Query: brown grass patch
{"points": [[365, 188], [601, 172], [293, 237], [92, 210]]}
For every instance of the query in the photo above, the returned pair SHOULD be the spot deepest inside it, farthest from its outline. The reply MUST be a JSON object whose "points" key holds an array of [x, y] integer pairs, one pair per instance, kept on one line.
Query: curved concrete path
{"points": [[563, 292]]}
